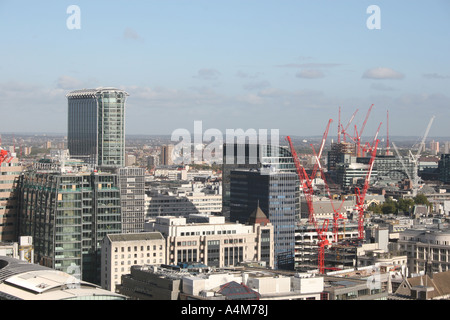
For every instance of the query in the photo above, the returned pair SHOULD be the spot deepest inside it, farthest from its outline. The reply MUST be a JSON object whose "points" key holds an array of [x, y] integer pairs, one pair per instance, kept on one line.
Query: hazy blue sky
{"points": [[266, 64]]}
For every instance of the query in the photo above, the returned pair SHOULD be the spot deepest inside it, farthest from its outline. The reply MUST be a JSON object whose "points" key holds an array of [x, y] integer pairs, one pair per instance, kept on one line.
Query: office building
{"points": [[132, 195], [444, 168], [210, 240], [96, 126], [276, 194], [122, 251], [9, 174], [425, 244], [68, 211], [252, 156], [183, 199], [166, 156]]}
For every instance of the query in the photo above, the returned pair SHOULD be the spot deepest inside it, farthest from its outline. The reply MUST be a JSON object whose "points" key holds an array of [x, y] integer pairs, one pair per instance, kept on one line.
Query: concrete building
{"points": [[132, 195], [166, 155], [22, 250], [420, 244], [163, 282], [122, 251], [96, 126], [210, 240], [21, 280], [197, 283], [9, 175], [183, 200]]}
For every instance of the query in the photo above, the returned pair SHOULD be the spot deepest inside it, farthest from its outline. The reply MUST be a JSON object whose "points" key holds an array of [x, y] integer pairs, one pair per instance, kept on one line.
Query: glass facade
{"points": [[276, 195], [275, 156], [68, 215], [96, 126]]}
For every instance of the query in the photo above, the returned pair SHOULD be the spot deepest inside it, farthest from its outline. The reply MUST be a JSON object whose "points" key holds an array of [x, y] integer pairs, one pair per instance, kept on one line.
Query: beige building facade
{"points": [[9, 173], [121, 251], [210, 240]]}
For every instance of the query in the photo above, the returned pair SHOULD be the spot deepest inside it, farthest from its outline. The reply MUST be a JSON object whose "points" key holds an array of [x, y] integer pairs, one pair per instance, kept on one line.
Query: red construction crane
{"points": [[319, 155], [360, 196], [339, 127], [5, 156], [344, 130], [308, 191], [369, 147], [336, 212], [359, 135]]}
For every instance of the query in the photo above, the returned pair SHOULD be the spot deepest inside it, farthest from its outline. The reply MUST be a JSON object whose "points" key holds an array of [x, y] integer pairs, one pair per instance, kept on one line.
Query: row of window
{"points": [[135, 248]]}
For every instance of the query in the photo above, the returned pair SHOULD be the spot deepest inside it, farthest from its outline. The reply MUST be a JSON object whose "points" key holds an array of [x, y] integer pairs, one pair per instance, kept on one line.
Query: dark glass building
{"points": [[244, 157], [96, 126], [276, 194]]}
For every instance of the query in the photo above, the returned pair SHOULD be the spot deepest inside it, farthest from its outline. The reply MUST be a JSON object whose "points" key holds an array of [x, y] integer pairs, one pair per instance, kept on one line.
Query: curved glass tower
{"points": [[96, 126]]}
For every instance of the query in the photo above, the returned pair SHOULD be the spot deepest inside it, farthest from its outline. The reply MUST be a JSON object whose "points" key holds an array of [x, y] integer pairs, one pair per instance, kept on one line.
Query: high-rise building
{"points": [[96, 126], [68, 213], [9, 174], [444, 168], [276, 194], [132, 194], [434, 147], [277, 157], [166, 157]]}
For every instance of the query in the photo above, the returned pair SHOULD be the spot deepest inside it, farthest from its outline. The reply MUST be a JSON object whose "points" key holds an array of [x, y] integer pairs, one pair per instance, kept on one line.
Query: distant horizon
{"points": [[380, 137]]}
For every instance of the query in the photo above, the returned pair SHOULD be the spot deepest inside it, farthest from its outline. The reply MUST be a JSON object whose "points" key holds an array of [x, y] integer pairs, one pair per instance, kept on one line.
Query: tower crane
{"points": [[358, 135], [368, 147], [343, 130], [361, 195], [308, 191], [415, 160], [5, 156]]}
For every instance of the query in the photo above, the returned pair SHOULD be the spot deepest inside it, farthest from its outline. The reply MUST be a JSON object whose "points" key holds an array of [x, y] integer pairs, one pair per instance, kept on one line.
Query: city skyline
{"points": [[234, 64]]}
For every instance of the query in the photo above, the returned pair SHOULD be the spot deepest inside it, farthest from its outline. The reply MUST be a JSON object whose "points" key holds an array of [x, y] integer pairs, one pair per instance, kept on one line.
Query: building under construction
{"points": [[337, 256]]}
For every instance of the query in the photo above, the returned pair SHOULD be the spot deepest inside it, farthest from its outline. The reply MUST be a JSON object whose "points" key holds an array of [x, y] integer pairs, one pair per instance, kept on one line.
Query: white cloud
{"points": [[382, 73], [310, 74]]}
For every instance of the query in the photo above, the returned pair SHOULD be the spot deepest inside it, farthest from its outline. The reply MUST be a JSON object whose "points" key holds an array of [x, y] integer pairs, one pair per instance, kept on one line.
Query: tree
{"points": [[421, 199], [405, 205]]}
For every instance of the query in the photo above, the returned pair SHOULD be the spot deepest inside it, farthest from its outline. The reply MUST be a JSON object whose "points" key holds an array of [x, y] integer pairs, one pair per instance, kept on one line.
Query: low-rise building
{"points": [[210, 240], [121, 251], [21, 280]]}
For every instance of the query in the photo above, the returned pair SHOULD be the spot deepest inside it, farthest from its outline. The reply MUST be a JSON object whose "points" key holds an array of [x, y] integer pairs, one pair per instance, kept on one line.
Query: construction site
{"points": [[327, 240]]}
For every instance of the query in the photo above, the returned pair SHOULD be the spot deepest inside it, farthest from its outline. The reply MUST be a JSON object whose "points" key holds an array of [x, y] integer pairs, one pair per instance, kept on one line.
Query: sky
{"points": [[286, 65]]}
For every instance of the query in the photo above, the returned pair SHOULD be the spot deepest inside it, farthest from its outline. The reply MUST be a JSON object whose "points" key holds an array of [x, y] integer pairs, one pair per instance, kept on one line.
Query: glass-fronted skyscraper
{"points": [[277, 157], [276, 194], [96, 126], [68, 215]]}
